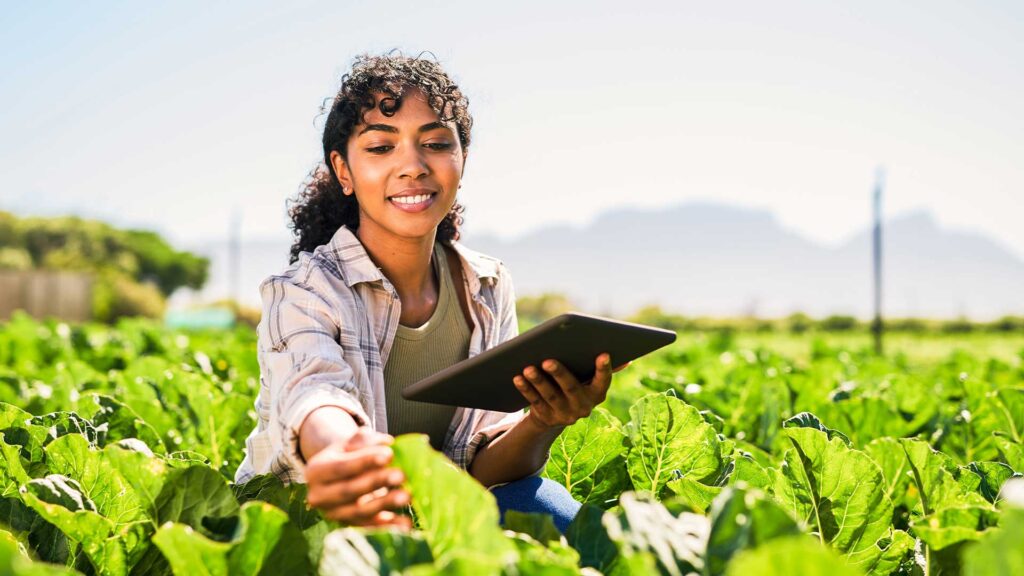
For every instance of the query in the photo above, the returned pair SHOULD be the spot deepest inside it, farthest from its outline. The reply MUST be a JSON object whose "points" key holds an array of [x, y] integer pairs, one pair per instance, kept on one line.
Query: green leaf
{"points": [[742, 519], [63, 423], [748, 471], [588, 536], [1013, 452], [935, 475], [999, 552], [105, 550], [694, 495], [302, 538], [357, 552], [536, 558], [540, 527], [190, 495], [61, 490], [191, 553], [808, 420], [290, 498], [122, 422], [645, 526], [794, 555], [993, 475], [43, 539], [12, 470], [11, 415], [1008, 406], [669, 439], [588, 459], [13, 562], [889, 456], [145, 474], [834, 489], [896, 551], [949, 526], [72, 456], [454, 511]]}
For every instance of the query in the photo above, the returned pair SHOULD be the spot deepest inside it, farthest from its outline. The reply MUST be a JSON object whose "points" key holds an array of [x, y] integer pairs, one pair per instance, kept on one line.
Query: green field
{"points": [[745, 453]]}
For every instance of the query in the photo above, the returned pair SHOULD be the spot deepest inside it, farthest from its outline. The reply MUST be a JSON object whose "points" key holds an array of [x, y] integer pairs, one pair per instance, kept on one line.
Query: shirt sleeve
{"points": [[304, 367], [486, 425]]}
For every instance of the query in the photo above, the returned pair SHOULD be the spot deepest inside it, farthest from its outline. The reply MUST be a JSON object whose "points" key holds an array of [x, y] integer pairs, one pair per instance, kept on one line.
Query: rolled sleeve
{"points": [[304, 367]]}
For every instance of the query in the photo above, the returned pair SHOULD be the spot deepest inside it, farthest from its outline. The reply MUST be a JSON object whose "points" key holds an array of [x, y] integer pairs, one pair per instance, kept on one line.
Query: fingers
{"points": [[346, 492], [334, 463], [388, 518], [623, 367], [602, 377], [551, 393], [565, 379], [527, 390], [368, 506]]}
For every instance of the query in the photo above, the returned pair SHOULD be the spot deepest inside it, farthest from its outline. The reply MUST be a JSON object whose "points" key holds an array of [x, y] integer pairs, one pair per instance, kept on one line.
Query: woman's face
{"points": [[405, 169]]}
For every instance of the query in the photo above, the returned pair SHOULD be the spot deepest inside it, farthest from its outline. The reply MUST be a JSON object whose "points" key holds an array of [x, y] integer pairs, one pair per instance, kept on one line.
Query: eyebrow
{"points": [[393, 130]]}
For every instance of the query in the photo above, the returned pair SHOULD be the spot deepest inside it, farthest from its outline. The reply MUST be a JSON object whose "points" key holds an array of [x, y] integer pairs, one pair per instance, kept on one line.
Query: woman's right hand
{"points": [[351, 482]]}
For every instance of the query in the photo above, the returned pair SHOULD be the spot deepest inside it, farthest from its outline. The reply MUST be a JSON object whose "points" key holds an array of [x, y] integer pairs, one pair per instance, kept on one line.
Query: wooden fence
{"points": [[45, 293]]}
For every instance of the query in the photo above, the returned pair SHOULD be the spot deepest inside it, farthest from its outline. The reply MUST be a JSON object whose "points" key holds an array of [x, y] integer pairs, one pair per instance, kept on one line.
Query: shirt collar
{"points": [[356, 265]]}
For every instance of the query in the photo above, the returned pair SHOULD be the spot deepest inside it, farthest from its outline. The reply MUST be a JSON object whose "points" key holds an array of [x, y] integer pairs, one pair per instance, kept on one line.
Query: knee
{"points": [[535, 494]]}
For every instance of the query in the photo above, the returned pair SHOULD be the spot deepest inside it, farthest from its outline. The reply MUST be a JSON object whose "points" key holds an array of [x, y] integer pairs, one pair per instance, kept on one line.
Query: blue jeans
{"points": [[535, 494]]}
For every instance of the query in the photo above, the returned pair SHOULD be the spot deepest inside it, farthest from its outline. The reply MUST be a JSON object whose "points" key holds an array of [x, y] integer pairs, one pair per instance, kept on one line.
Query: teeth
{"points": [[411, 199]]}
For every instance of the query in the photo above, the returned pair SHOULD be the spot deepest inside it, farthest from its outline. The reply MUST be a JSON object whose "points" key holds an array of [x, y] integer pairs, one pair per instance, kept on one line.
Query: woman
{"points": [[380, 294]]}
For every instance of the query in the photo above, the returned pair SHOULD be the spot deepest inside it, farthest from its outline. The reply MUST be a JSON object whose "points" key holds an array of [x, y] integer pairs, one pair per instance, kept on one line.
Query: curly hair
{"points": [[320, 208]]}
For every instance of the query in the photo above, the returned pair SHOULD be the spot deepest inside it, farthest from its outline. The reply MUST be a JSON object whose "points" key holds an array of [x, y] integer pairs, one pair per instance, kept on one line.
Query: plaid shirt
{"points": [[328, 324]]}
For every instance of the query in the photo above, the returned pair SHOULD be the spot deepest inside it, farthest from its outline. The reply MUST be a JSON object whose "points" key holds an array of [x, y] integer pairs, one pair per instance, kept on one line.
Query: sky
{"points": [[176, 116]]}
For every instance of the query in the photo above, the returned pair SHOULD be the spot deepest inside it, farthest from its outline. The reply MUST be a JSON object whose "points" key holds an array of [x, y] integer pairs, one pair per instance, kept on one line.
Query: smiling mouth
{"points": [[412, 200]]}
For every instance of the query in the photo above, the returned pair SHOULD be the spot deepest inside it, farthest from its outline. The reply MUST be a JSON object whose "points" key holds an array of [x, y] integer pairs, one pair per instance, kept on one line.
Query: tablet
{"points": [[574, 339]]}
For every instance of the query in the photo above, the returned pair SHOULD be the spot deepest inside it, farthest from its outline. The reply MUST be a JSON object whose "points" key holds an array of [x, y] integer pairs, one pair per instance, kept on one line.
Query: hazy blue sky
{"points": [[172, 115]]}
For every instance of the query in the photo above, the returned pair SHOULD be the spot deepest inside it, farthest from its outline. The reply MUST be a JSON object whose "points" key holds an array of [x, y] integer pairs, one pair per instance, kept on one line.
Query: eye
{"points": [[439, 145], [379, 149]]}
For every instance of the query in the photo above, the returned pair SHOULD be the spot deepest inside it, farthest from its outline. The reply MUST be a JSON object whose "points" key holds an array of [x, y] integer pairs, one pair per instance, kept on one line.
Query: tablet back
{"points": [[485, 381]]}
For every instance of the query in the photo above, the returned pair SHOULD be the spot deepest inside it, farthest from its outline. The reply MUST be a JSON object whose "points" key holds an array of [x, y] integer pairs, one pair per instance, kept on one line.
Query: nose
{"points": [[413, 164]]}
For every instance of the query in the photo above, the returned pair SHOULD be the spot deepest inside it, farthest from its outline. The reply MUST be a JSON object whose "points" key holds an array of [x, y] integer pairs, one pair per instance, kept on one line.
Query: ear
{"points": [[342, 172]]}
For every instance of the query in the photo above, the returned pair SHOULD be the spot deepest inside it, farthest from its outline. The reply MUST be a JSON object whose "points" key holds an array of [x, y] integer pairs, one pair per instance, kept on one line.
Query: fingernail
{"points": [[531, 372], [402, 498], [395, 478], [549, 365]]}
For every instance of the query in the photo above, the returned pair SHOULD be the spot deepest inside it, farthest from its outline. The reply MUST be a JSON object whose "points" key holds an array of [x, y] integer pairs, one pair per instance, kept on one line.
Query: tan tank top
{"points": [[419, 352]]}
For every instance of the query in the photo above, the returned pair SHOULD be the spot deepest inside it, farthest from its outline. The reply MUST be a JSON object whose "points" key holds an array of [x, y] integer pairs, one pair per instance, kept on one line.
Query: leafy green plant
{"points": [[117, 445]]}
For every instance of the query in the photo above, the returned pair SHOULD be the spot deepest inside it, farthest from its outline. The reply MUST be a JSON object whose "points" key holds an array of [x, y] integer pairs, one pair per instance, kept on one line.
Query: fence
{"points": [[44, 293]]}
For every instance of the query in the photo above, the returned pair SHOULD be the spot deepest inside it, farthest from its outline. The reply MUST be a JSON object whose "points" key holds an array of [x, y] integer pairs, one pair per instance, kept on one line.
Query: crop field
{"points": [[749, 454]]}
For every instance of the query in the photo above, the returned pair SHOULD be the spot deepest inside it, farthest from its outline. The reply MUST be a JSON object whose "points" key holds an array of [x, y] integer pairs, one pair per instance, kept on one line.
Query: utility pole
{"points": [[876, 325]]}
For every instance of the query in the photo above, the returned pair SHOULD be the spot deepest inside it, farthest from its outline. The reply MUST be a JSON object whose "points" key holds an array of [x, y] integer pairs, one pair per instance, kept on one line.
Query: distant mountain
{"points": [[721, 260], [703, 258]]}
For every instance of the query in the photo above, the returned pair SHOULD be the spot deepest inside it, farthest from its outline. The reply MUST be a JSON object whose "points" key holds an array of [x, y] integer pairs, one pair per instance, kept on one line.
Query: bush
{"points": [[798, 323], [838, 323], [14, 259], [118, 296], [655, 316], [958, 326], [71, 243], [1008, 324], [533, 310]]}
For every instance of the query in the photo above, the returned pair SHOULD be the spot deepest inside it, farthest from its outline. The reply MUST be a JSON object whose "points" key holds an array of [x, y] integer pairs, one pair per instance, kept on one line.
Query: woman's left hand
{"points": [[557, 398]]}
